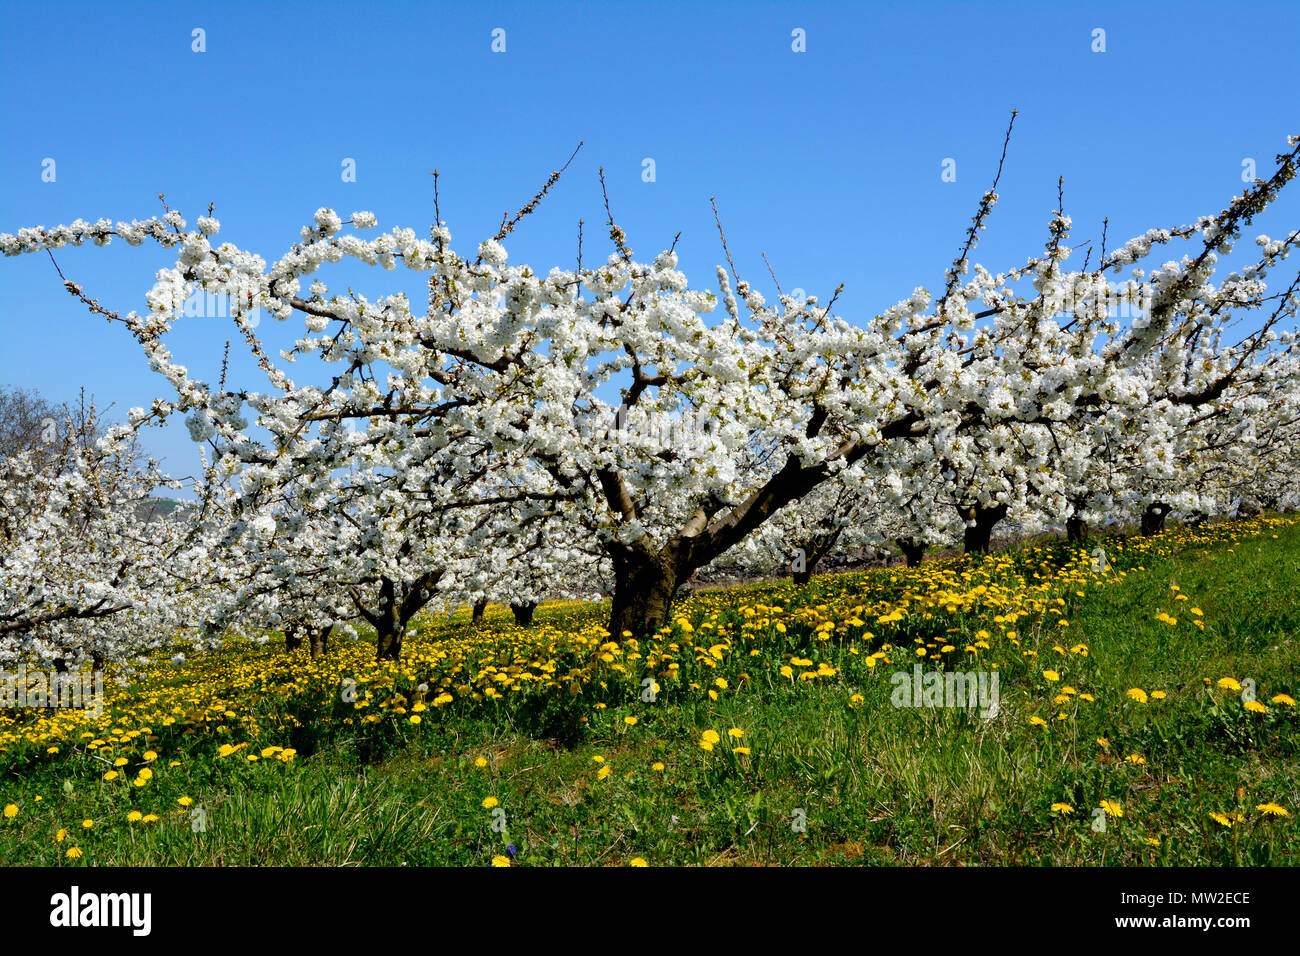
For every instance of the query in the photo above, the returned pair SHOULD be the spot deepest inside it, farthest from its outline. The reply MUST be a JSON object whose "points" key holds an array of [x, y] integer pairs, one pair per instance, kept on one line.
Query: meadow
{"points": [[1145, 715]]}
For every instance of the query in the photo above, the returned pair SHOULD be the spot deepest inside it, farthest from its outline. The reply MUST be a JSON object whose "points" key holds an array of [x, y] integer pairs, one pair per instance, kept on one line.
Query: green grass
{"points": [[828, 780]]}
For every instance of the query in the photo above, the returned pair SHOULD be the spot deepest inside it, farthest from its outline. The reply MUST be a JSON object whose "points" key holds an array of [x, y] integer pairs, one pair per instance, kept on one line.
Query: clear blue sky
{"points": [[828, 160]]}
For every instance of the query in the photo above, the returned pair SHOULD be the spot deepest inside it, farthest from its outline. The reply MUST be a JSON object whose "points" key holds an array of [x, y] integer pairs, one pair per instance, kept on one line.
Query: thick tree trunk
{"points": [[1076, 529], [318, 639], [389, 630], [476, 615], [292, 637], [388, 623], [1153, 519], [399, 601], [977, 536], [643, 591], [524, 613], [913, 551]]}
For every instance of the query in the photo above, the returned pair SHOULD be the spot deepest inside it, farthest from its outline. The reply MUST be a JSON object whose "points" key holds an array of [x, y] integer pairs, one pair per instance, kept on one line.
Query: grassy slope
{"points": [[873, 784]]}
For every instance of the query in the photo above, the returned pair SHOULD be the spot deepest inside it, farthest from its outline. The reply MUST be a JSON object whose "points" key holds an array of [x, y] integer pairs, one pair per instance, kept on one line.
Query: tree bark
{"points": [[476, 615], [318, 640], [524, 613], [399, 601], [1153, 519], [976, 537], [292, 637], [913, 551], [1076, 529], [644, 585], [815, 549]]}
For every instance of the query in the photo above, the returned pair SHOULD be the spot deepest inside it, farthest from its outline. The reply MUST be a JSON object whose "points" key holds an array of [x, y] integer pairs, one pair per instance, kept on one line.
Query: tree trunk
{"points": [[1076, 529], [644, 585], [292, 637], [524, 613], [319, 640], [388, 642], [977, 536], [814, 549], [399, 601], [388, 623], [476, 616], [1153, 519], [913, 551]]}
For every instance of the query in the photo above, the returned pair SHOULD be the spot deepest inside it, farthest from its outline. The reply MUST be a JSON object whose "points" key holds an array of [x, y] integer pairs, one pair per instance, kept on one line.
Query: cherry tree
{"points": [[719, 424]]}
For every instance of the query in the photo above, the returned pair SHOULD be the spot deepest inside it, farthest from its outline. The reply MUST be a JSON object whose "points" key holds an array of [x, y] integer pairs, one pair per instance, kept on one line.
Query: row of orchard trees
{"points": [[527, 436]]}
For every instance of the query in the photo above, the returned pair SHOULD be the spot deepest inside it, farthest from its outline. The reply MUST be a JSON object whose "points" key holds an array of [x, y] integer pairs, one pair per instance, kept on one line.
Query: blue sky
{"points": [[828, 160]]}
